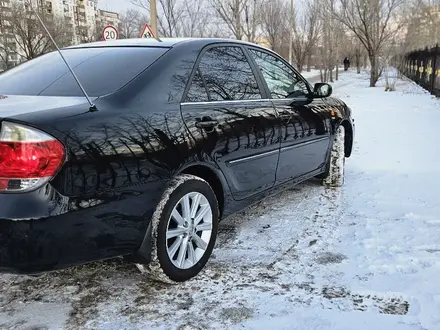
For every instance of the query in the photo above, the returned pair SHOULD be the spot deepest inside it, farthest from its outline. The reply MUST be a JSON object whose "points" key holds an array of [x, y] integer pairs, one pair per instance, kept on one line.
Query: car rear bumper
{"points": [[50, 241], [37, 246]]}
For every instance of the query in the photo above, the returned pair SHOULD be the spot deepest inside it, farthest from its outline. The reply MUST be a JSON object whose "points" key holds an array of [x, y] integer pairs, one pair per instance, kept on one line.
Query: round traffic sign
{"points": [[110, 33]]}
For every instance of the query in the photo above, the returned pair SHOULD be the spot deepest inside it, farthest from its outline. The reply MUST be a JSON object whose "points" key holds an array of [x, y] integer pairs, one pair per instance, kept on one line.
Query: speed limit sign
{"points": [[110, 33]]}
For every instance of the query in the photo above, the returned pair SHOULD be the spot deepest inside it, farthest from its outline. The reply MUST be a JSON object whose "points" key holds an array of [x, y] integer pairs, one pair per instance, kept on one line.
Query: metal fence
{"points": [[423, 67]]}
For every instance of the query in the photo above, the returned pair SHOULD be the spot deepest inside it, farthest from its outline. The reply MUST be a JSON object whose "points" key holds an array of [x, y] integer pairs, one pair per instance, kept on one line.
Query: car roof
{"points": [[151, 42]]}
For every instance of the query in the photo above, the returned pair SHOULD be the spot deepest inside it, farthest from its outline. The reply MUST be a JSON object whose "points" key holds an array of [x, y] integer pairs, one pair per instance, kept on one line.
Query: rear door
{"points": [[230, 120], [305, 133]]}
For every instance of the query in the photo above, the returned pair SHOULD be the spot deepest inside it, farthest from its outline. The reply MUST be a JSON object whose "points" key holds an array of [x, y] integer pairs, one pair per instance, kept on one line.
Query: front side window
{"points": [[281, 80], [228, 75]]}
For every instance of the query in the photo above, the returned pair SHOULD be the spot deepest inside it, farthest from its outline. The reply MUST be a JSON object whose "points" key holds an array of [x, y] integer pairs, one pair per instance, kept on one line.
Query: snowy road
{"points": [[363, 257]]}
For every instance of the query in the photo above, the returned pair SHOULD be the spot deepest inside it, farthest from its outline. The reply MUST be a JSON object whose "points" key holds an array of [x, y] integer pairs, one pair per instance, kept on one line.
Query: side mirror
{"points": [[322, 90]]}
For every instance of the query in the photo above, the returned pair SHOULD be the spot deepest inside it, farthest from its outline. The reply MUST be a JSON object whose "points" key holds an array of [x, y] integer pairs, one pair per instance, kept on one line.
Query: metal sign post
{"points": [[153, 17]]}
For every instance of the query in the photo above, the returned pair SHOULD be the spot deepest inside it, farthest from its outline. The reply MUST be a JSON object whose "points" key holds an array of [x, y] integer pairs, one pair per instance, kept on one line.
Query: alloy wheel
{"points": [[189, 230]]}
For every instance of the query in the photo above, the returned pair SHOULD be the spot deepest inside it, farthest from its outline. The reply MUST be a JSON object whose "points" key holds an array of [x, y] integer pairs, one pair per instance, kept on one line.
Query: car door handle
{"points": [[207, 124]]}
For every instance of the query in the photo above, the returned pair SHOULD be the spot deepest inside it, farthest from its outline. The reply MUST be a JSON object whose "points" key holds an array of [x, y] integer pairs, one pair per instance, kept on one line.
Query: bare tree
{"points": [[275, 30], [423, 24], [374, 22], [143, 4], [252, 19], [327, 40], [340, 38], [168, 14], [357, 55], [87, 34], [325, 51], [240, 17], [350, 47], [179, 18], [306, 29], [132, 22], [172, 11], [26, 32], [196, 19], [230, 13]]}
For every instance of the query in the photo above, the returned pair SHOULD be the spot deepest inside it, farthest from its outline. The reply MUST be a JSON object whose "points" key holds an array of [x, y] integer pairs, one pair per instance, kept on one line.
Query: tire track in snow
{"points": [[277, 251]]}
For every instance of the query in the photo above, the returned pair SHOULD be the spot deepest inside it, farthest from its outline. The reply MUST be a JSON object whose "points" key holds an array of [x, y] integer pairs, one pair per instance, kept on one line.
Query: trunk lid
{"points": [[16, 106]]}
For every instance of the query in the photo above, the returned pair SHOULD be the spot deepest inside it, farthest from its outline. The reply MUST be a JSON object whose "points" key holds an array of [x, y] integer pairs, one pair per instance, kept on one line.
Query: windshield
{"points": [[100, 70]]}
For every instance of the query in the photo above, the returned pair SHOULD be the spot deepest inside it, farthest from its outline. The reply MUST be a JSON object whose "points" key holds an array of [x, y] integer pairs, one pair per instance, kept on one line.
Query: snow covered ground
{"points": [[362, 257], [313, 73]]}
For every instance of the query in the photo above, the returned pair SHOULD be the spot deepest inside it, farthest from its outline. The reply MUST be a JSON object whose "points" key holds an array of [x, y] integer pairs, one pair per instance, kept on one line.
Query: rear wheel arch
{"points": [[348, 142], [214, 179], [205, 172], [181, 242]]}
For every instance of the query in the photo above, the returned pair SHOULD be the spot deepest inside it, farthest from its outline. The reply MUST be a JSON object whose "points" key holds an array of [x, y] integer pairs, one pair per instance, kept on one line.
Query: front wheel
{"points": [[184, 230], [334, 175]]}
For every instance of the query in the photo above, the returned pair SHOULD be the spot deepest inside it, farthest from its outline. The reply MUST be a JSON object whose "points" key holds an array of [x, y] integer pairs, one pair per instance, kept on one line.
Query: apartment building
{"points": [[82, 21], [8, 46], [104, 18], [79, 17]]}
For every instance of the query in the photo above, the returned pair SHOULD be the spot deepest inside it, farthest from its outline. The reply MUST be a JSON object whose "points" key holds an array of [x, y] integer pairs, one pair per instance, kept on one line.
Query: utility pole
{"points": [[291, 34], [153, 17]]}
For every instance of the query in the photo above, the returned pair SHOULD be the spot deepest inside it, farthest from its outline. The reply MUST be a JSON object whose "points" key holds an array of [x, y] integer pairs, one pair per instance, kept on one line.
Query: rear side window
{"points": [[100, 70], [198, 91], [226, 74]]}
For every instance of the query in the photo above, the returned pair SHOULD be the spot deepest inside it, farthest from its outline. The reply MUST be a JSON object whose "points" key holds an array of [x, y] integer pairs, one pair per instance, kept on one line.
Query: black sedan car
{"points": [[184, 132]]}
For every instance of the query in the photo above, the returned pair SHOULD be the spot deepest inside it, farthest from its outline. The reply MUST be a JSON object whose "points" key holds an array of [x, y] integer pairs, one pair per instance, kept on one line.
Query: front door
{"points": [[305, 135], [230, 122]]}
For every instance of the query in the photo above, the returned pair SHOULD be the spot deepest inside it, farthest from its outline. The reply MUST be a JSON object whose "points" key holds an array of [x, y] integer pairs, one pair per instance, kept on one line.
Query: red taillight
{"points": [[28, 157]]}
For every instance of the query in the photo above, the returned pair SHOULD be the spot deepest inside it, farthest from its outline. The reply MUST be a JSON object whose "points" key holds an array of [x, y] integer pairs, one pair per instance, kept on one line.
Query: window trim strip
{"points": [[235, 101]]}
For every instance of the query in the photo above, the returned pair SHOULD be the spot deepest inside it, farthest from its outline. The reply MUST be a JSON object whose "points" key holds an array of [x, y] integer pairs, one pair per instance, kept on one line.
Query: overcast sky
{"points": [[115, 5]]}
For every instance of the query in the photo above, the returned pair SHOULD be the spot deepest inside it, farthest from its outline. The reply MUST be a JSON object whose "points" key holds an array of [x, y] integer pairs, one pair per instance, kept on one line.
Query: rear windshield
{"points": [[101, 71]]}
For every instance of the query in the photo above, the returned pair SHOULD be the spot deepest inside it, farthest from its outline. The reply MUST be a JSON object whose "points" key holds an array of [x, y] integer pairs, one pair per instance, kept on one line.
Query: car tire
{"points": [[184, 230], [334, 174]]}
